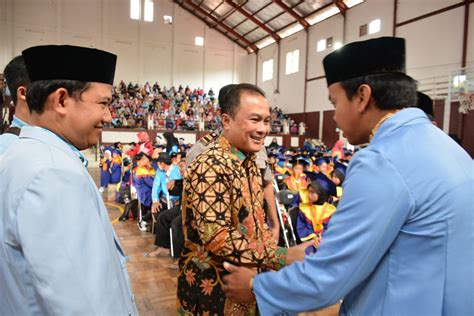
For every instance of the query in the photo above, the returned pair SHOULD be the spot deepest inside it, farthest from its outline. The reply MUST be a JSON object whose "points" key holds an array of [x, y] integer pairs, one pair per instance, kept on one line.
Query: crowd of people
{"points": [[387, 230], [155, 171], [182, 108]]}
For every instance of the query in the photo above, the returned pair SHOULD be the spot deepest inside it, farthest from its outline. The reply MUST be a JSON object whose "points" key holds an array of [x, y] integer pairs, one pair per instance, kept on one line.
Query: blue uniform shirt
{"points": [[6, 139], [401, 241], [59, 254]]}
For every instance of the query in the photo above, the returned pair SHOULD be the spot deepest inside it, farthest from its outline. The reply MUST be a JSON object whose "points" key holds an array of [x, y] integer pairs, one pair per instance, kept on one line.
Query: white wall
{"points": [[332, 27], [434, 47], [167, 54], [409, 9], [146, 51], [269, 86], [366, 13], [291, 96], [470, 43]]}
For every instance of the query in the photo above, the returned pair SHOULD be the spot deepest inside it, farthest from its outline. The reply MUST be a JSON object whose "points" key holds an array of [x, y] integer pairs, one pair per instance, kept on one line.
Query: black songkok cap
{"points": [[64, 62], [425, 103], [357, 59]]}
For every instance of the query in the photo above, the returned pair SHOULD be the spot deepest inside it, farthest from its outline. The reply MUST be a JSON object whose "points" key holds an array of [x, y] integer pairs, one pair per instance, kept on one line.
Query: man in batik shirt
{"points": [[223, 215]]}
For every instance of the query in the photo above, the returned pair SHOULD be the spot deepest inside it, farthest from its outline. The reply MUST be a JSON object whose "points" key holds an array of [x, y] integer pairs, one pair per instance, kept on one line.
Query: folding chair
{"points": [[283, 198]]}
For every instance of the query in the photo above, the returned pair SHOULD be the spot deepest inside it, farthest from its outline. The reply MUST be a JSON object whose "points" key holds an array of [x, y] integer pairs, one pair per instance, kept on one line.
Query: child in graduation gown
{"points": [[298, 181], [104, 166], [116, 167], [313, 217]]}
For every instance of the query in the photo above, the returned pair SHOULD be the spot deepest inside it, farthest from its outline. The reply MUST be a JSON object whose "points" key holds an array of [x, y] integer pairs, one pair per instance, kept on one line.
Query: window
{"points": [[459, 81], [135, 9], [321, 45], [267, 70], [199, 41], [374, 26], [363, 30], [337, 45], [148, 16], [167, 19], [292, 61]]}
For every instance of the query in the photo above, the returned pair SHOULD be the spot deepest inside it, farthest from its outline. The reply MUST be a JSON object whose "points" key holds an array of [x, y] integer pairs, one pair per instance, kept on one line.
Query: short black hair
{"points": [[229, 99], [16, 75], [139, 156], [38, 91], [323, 195], [389, 90]]}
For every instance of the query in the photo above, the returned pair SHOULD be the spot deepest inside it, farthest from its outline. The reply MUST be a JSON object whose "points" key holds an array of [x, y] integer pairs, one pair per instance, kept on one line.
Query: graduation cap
{"points": [[373, 56], [326, 183], [300, 161], [425, 103], [320, 161], [51, 62], [340, 166], [116, 151]]}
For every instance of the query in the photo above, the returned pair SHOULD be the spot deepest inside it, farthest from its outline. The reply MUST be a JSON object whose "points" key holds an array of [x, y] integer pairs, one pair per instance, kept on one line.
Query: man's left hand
{"points": [[237, 283]]}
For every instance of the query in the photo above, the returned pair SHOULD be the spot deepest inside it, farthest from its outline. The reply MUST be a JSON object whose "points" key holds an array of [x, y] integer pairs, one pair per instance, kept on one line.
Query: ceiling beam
{"points": [[208, 24], [217, 7], [254, 13], [199, 4], [249, 16], [228, 29], [341, 6], [291, 12]]}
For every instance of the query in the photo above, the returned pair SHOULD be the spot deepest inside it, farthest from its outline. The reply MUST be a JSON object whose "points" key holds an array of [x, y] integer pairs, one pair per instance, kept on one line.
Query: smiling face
{"points": [[86, 115], [250, 124]]}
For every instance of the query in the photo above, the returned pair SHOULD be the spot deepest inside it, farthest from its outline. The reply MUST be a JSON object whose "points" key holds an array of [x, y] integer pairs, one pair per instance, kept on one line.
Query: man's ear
{"points": [[21, 93], [225, 119], [364, 96], [60, 101]]}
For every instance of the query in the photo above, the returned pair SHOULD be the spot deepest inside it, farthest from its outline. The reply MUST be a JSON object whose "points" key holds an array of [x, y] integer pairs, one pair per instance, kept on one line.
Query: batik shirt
{"points": [[223, 220]]}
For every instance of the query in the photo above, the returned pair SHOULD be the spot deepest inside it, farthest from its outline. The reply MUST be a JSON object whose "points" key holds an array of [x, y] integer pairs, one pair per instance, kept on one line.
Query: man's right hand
{"points": [[297, 253], [155, 207]]}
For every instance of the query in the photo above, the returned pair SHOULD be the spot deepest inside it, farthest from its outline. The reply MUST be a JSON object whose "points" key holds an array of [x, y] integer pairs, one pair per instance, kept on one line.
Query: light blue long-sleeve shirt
{"points": [[402, 239], [6, 139], [59, 254], [159, 185]]}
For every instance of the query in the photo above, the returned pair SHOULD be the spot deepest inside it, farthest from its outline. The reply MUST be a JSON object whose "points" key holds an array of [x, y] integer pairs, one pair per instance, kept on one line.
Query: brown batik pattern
{"points": [[223, 219]]}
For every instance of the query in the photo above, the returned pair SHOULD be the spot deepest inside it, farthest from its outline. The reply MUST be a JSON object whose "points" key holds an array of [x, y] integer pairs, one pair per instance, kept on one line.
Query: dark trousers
{"points": [[146, 212], [178, 236], [170, 218]]}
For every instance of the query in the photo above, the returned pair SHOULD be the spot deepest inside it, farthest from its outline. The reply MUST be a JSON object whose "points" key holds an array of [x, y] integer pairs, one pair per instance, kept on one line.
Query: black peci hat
{"points": [[64, 62], [373, 56]]}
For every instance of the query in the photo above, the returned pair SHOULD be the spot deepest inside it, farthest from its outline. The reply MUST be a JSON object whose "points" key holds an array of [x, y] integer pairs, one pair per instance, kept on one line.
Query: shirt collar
{"points": [[27, 131], [17, 122], [407, 116], [234, 153]]}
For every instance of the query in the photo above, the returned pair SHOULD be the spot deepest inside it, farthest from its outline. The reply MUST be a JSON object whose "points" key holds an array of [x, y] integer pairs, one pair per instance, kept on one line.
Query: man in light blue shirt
{"points": [[401, 241], [17, 80], [59, 254], [160, 188]]}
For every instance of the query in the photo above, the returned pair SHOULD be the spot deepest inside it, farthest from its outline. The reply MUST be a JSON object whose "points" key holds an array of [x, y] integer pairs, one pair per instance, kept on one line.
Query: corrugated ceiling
{"points": [[247, 22]]}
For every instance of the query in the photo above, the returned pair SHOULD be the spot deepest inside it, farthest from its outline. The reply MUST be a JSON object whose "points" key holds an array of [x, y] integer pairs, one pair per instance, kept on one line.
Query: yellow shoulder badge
{"points": [[209, 138]]}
